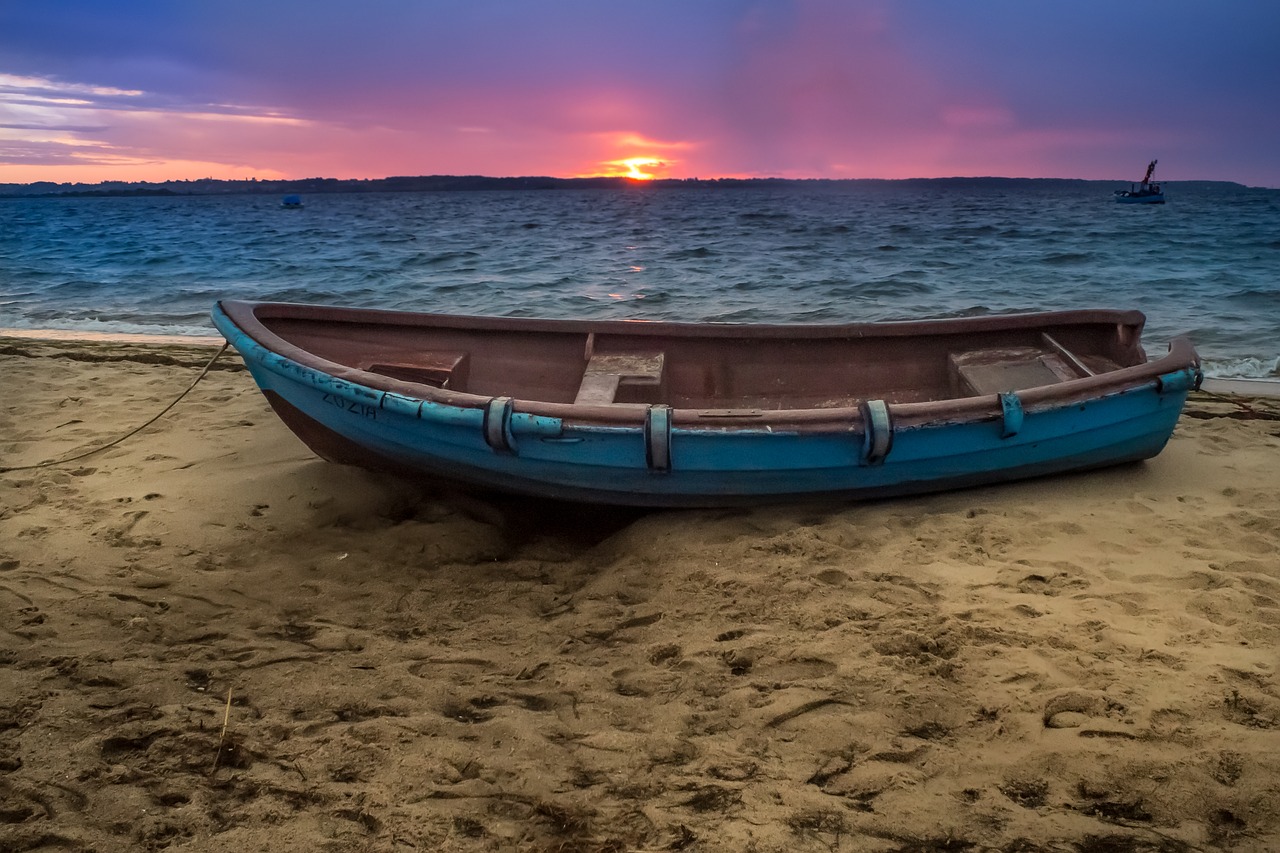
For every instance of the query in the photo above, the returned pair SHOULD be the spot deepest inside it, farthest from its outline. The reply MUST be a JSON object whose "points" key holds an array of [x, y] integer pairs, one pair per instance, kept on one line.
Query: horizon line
{"points": [[618, 179]]}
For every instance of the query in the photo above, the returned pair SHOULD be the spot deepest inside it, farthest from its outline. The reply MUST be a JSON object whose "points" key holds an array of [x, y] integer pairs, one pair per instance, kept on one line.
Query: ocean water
{"points": [[1207, 264]]}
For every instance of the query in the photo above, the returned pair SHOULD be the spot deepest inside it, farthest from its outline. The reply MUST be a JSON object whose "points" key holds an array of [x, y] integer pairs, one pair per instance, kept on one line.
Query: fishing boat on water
{"points": [[1144, 192], [675, 414]]}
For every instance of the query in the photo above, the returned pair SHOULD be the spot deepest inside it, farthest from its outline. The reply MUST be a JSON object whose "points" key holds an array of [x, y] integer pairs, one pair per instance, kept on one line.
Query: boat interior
{"points": [[724, 371]]}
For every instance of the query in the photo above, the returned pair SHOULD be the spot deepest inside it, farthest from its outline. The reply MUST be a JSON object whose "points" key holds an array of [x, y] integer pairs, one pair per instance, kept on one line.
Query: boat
{"points": [[679, 414], [1144, 192]]}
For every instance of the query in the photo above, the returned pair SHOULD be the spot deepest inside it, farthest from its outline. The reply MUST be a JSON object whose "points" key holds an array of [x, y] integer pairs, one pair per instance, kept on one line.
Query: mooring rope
{"points": [[1247, 412], [51, 462]]}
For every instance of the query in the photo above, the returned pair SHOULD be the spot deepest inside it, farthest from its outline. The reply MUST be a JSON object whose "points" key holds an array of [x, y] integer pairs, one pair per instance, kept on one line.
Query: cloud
{"points": [[19, 84], [129, 131]]}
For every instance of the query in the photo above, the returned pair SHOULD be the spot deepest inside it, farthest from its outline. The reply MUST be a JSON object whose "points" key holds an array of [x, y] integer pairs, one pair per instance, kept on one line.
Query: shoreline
{"points": [[1242, 387], [68, 336]]}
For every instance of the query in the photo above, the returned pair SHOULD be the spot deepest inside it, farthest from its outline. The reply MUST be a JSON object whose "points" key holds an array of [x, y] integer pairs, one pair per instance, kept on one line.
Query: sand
{"points": [[211, 640]]}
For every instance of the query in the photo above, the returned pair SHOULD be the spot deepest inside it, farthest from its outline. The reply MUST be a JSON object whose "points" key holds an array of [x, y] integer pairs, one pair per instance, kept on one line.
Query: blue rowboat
{"points": [[671, 414]]}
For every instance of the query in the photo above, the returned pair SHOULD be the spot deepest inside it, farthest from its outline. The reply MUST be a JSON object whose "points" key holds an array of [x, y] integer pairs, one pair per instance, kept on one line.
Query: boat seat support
{"points": [[1065, 354], [608, 374]]}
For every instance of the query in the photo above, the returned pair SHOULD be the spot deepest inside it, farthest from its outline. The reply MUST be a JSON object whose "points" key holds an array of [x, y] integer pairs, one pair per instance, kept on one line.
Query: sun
{"points": [[637, 168]]}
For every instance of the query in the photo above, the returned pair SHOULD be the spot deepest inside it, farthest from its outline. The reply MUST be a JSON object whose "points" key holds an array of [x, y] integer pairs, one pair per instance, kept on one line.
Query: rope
{"points": [[1253, 414], [133, 432]]}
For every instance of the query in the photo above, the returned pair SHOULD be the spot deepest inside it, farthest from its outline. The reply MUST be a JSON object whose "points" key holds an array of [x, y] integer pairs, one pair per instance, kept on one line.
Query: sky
{"points": [[153, 90]]}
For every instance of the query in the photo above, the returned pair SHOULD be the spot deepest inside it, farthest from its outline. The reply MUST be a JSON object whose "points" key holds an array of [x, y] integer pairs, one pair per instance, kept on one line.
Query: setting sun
{"points": [[637, 168]]}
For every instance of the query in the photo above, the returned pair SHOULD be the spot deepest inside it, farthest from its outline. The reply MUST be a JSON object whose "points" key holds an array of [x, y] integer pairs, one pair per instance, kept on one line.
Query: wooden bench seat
{"points": [[999, 371], [438, 368]]}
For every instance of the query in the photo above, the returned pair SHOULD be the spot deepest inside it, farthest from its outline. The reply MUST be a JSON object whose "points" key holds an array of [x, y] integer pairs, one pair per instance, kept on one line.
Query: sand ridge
{"points": [[1081, 663]]}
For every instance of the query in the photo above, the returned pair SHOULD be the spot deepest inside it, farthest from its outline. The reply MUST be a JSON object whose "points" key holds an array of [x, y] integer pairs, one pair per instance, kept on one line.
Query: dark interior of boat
{"points": [[720, 372]]}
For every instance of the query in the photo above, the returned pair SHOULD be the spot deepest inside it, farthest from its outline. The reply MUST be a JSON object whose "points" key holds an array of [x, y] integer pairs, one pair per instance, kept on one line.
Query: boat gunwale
{"points": [[246, 316]]}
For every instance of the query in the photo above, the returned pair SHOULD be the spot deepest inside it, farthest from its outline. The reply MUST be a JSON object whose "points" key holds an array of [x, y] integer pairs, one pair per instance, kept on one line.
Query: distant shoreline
{"points": [[472, 183]]}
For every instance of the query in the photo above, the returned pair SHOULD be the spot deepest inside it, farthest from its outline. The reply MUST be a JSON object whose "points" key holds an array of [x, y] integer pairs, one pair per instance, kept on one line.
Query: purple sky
{"points": [[158, 89]]}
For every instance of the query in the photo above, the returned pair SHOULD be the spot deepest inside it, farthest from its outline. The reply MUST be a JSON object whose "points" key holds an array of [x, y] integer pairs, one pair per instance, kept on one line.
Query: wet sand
{"points": [[211, 640]]}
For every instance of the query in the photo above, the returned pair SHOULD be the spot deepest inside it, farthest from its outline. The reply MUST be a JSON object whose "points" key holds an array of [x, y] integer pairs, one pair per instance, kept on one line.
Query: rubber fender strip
{"points": [[1011, 406], [497, 424], [657, 438], [1179, 381], [877, 432]]}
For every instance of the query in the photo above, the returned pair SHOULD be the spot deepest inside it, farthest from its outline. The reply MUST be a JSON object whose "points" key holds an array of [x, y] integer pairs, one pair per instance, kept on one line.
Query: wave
{"points": [[1255, 295], [1242, 368], [1066, 258], [422, 259], [689, 254], [75, 287], [894, 287], [972, 230]]}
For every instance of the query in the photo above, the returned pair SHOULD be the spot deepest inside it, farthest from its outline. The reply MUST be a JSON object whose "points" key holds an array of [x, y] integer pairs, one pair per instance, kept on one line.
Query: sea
{"points": [[1205, 265]]}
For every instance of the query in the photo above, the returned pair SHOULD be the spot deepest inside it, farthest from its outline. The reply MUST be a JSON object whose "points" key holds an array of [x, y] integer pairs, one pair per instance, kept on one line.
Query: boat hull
{"points": [[1130, 198], [501, 446]]}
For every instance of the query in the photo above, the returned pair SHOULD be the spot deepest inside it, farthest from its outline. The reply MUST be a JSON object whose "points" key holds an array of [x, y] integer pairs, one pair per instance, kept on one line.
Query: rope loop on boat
{"points": [[51, 462]]}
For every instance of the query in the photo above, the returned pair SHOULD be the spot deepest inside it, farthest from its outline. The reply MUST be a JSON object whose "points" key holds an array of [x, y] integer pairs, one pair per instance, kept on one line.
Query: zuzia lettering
{"points": [[364, 410]]}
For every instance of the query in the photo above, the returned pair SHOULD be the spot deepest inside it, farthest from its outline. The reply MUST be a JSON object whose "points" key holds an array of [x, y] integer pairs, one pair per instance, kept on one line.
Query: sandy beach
{"points": [[211, 640]]}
